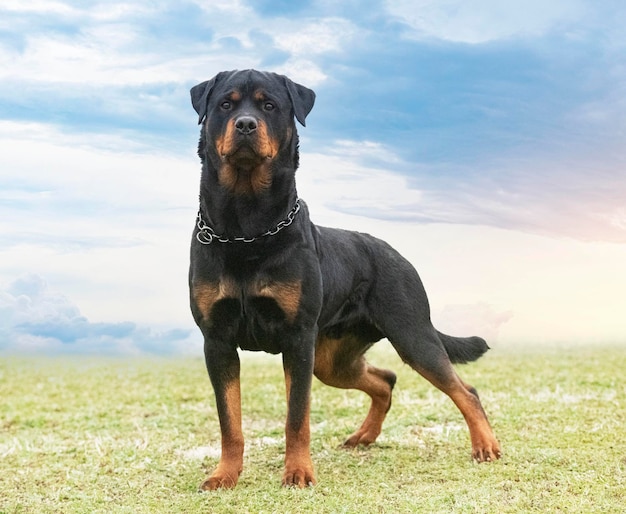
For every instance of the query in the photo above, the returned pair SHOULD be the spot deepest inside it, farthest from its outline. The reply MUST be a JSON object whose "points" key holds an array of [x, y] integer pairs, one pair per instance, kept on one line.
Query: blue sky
{"points": [[484, 139]]}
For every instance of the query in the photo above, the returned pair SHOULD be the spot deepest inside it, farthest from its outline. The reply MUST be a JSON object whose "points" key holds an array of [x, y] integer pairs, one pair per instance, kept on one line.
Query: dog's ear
{"points": [[200, 95], [302, 99]]}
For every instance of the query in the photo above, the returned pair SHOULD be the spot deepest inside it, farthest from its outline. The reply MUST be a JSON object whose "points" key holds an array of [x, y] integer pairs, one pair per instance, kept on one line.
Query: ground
{"points": [[138, 435]]}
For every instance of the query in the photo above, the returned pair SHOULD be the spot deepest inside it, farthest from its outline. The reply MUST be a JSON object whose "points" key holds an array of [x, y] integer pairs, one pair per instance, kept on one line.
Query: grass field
{"points": [[92, 435]]}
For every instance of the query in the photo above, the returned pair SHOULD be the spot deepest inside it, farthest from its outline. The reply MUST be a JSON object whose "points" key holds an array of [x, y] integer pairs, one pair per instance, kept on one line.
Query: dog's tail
{"points": [[462, 350]]}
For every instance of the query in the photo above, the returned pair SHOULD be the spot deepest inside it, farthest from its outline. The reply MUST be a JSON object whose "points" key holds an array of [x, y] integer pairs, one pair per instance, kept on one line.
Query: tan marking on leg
{"points": [[373, 383], [299, 471], [325, 350], [226, 474], [338, 370], [485, 446]]}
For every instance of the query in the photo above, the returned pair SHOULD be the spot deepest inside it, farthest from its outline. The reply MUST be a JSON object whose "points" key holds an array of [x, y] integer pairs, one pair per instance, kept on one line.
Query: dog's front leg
{"points": [[298, 365], [224, 367]]}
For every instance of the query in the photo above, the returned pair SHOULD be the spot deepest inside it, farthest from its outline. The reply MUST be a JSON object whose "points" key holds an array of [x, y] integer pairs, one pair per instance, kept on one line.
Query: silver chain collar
{"points": [[206, 235]]}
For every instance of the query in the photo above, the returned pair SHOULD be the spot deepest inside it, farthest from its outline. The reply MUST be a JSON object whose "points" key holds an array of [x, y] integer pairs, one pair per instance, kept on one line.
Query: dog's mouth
{"points": [[245, 169], [245, 156]]}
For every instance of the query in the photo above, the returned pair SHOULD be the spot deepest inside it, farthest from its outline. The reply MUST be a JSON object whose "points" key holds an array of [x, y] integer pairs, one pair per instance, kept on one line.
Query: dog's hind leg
{"points": [[424, 351], [341, 363]]}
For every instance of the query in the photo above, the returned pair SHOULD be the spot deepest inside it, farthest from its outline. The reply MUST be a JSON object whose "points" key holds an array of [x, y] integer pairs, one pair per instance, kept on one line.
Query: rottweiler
{"points": [[263, 277]]}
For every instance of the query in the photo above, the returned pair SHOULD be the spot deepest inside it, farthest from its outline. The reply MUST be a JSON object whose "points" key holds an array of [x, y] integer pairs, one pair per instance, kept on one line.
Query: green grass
{"points": [[93, 435]]}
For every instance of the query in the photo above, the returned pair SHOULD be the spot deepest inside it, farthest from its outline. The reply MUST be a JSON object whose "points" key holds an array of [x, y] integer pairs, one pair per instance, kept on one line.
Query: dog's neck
{"points": [[206, 233], [246, 215]]}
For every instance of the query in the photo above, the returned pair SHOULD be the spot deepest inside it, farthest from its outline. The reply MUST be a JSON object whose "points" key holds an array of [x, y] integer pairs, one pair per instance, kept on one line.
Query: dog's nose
{"points": [[245, 124]]}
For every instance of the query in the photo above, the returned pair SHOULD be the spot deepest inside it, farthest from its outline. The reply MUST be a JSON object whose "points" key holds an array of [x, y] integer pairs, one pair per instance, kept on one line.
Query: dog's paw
{"points": [[362, 437], [487, 452], [300, 477], [220, 479]]}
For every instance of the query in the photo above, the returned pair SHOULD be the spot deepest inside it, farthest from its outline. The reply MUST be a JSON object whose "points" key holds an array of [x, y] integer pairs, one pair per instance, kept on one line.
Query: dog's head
{"points": [[248, 123]]}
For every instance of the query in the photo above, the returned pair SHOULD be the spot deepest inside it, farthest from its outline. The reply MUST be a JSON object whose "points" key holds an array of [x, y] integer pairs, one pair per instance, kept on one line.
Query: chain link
{"points": [[206, 235]]}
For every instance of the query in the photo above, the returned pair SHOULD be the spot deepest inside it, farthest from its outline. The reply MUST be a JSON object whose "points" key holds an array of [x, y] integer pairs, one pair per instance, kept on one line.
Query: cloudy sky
{"points": [[484, 139]]}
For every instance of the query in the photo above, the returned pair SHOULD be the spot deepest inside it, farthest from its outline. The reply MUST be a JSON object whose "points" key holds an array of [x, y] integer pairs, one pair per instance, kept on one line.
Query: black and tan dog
{"points": [[264, 278]]}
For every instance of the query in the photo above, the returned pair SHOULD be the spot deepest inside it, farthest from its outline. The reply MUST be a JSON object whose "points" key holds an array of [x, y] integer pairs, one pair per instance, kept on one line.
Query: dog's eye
{"points": [[226, 105], [268, 106]]}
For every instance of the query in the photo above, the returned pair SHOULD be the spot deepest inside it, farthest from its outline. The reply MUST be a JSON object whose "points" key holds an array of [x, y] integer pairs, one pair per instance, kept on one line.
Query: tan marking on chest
{"points": [[207, 294], [286, 294]]}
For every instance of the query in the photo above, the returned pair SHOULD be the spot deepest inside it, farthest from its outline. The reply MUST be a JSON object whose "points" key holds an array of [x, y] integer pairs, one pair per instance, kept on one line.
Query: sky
{"points": [[485, 140]]}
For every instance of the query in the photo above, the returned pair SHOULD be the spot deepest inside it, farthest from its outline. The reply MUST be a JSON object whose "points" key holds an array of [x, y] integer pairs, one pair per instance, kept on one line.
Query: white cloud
{"points": [[104, 59], [37, 7], [338, 183], [481, 21], [95, 175], [237, 8], [304, 43], [365, 151], [109, 222], [103, 11], [302, 71], [553, 197], [315, 37], [35, 319], [111, 47], [111, 10]]}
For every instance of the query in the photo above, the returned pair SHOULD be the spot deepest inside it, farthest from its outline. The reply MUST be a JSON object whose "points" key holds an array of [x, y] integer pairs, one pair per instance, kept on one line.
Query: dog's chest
{"points": [[251, 314]]}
